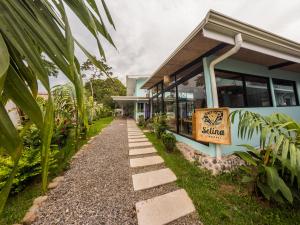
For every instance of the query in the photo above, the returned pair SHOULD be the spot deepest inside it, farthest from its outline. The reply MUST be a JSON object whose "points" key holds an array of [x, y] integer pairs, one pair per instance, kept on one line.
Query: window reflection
{"points": [[285, 92], [170, 107], [191, 95]]}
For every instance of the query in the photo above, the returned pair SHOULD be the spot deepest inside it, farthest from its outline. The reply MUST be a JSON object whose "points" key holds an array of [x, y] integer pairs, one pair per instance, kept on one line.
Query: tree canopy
{"points": [[104, 89]]}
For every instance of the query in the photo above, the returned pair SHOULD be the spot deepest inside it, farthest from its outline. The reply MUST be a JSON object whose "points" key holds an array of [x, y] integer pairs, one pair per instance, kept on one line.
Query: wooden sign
{"points": [[212, 125]]}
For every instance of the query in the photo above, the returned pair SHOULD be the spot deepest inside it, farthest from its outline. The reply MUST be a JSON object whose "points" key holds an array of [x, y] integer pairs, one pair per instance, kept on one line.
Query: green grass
{"points": [[223, 199], [18, 204]]}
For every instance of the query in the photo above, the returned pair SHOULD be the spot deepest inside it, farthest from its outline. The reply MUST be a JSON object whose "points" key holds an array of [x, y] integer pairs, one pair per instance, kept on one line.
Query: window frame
{"points": [[243, 76], [295, 91]]}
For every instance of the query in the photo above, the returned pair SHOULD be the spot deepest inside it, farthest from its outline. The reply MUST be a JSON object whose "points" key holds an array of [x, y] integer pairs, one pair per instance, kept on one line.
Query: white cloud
{"points": [[148, 31]]}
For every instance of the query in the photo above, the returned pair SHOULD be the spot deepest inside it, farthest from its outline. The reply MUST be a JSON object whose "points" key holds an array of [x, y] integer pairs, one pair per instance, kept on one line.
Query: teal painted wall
{"points": [[138, 91], [253, 69], [242, 67]]}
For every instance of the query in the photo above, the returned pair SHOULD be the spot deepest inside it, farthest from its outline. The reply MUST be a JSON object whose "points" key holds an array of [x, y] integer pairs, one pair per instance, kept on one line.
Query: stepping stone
{"points": [[151, 179], [130, 140], [142, 151], [146, 161], [135, 132], [164, 209], [139, 144], [136, 136]]}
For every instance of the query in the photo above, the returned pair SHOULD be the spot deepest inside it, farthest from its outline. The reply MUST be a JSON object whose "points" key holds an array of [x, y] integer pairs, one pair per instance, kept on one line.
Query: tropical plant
{"points": [[264, 176], [169, 141], [160, 124], [141, 120], [31, 31], [279, 148]]}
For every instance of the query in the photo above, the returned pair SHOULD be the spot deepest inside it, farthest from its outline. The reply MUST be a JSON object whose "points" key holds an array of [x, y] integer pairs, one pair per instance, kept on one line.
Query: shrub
{"points": [[169, 141], [160, 125], [141, 121], [28, 168]]}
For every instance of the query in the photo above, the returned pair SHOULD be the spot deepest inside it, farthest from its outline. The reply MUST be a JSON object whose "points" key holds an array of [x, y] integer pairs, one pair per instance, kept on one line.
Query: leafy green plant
{"points": [[141, 120], [30, 32], [160, 125], [263, 176], [169, 141], [278, 158]]}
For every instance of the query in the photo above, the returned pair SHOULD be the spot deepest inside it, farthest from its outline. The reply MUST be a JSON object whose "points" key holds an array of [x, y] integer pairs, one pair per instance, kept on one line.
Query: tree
{"points": [[104, 89], [31, 31]]}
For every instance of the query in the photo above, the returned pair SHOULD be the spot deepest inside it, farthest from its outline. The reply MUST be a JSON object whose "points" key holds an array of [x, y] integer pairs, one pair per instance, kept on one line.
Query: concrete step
{"points": [[142, 151], [140, 144], [164, 209], [146, 161], [152, 179], [132, 140], [136, 136]]}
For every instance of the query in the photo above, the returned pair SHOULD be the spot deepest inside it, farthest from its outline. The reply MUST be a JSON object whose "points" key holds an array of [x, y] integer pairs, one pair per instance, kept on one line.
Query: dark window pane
{"points": [[257, 89], [159, 104], [285, 92], [154, 105], [140, 107], [230, 89], [170, 108], [159, 87], [191, 95]]}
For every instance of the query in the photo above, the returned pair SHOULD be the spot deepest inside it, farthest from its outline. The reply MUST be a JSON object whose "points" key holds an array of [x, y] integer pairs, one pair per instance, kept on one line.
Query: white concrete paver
{"points": [[142, 151], [164, 209], [151, 179], [139, 144], [136, 136], [131, 140], [146, 161]]}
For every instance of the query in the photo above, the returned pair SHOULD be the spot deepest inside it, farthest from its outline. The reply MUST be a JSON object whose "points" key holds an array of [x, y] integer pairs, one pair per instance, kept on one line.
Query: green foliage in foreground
{"points": [[275, 168], [18, 204], [223, 199]]}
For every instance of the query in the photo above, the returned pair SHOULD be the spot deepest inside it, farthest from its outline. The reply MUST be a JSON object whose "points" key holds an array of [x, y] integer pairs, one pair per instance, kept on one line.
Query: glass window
{"points": [[140, 107], [159, 103], [194, 69], [191, 95], [154, 90], [238, 90], [170, 107], [159, 87], [285, 92], [154, 105], [230, 89], [257, 89]]}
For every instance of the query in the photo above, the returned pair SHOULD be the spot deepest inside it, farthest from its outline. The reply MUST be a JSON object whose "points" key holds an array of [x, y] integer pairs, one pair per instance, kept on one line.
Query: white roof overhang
{"points": [[259, 46]]}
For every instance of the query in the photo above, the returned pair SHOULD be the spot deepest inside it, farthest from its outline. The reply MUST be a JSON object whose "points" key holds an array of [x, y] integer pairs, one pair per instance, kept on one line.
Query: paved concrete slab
{"points": [[137, 131], [132, 140], [136, 136], [152, 179], [146, 161], [164, 209], [139, 144], [142, 151]]}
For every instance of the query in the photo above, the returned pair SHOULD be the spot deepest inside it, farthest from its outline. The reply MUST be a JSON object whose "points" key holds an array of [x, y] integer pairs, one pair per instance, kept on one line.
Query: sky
{"points": [[148, 31]]}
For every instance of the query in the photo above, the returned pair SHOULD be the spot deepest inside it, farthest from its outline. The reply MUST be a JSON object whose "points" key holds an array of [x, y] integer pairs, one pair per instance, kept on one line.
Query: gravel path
{"points": [[98, 186]]}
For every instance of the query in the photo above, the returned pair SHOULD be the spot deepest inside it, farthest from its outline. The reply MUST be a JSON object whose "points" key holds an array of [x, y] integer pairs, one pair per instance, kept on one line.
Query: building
{"points": [[136, 101], [225, 63]]}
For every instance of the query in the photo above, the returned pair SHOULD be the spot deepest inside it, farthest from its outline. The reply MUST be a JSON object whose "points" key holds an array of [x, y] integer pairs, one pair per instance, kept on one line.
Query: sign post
{"points": [[212, 125]]}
